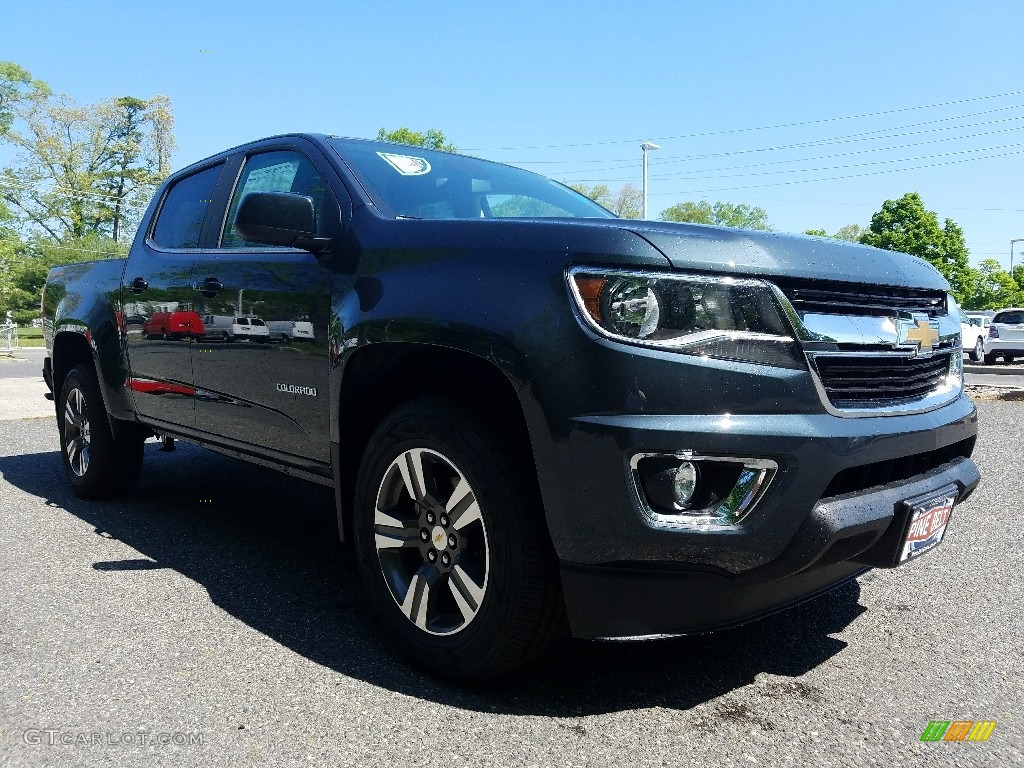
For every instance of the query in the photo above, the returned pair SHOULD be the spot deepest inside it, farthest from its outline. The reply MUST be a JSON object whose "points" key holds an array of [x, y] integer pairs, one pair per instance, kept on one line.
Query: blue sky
{"points": [[884, 97]]}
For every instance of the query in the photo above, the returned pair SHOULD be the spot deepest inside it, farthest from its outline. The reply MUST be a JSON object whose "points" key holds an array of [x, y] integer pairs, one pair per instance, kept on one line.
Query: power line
{"points": [[77, 194], [684, 174], [882, 133], [62, 247], [843, 167], [853, 138], [840, 178], [730, 131]]}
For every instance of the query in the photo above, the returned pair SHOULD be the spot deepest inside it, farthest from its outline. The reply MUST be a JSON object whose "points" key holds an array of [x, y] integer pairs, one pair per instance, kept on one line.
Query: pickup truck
{"points": [[538, 419]]}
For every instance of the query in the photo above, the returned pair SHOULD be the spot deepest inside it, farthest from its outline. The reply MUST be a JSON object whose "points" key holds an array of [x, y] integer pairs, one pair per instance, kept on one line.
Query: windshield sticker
{"points": [[406, 164]]}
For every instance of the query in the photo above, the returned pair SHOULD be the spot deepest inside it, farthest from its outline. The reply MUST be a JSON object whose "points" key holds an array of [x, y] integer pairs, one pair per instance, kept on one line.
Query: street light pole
{"points": [[1018, 240], [647, 146]]}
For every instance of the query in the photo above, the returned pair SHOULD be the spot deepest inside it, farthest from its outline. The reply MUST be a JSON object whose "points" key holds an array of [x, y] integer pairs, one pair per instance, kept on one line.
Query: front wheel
{"points": [[96, 464], [452, 544]]}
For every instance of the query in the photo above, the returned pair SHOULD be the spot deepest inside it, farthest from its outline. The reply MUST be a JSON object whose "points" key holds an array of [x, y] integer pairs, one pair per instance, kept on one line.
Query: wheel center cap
{"points": [[439, 537]]}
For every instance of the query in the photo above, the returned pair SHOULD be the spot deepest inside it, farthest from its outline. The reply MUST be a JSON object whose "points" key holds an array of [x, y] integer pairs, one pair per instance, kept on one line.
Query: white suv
{"points": [[973, 330], [1005, 335]]}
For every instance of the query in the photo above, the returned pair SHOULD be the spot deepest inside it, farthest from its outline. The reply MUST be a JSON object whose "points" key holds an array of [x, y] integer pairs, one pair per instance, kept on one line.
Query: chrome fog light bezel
{"points": [[754, 478]]}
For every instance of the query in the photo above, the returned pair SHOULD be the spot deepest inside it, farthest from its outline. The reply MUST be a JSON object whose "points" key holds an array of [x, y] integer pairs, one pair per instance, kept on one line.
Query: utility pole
{"points": [[1018, 240], [647, 146]]}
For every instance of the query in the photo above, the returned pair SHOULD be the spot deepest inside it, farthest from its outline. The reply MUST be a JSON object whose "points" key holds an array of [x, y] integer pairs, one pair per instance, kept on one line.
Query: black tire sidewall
{"points": [[478, 646], [113, 465]]}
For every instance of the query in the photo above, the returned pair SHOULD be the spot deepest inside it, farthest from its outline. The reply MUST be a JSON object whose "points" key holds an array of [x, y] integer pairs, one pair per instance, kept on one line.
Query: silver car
{"points": [[1005, 335]]}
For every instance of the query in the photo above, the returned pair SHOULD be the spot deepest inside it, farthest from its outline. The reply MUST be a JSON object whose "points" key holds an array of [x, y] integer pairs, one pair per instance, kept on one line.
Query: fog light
{"points": [[691, 489], [684, 483]]}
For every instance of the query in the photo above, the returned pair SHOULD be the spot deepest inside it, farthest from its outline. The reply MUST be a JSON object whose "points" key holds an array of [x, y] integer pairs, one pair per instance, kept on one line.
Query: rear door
{"points": [[270, 394], [157, 288]]}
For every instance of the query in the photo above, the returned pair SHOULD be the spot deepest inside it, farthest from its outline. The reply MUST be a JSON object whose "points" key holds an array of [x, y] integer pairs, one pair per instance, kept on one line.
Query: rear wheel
{"points": [[453, 545], [96, 464], [990, 358], [978, 354]]}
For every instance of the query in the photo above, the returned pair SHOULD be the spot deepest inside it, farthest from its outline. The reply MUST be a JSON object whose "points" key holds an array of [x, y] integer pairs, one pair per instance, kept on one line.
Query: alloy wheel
{"points": [[77, 437], [431, 542]]}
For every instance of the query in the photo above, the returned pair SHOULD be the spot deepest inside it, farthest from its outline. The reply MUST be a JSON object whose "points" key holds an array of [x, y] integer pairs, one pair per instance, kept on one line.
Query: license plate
{"points": [[928, 520]]}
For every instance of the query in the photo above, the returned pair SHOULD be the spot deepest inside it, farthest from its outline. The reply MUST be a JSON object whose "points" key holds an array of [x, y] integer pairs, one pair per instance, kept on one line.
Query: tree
{"points": [[23, 267], [431, 139], [16, 86], [906, 225], [628, 203], [851, 232], [995, 287], [81, 170], [721, 214], [599, 193]]}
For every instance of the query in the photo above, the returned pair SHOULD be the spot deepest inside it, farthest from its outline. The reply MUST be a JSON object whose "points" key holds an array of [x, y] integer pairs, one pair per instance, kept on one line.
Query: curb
{"points": [[1001, 370]]}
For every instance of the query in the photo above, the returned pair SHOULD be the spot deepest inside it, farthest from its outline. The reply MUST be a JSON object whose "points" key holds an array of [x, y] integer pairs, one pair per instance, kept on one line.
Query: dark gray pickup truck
{"points": [[538, 419]]}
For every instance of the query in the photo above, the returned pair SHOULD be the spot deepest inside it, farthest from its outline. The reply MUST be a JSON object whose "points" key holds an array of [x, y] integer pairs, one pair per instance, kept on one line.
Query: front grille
{"points": [[856, 479], [852, 381], [836, 298]]}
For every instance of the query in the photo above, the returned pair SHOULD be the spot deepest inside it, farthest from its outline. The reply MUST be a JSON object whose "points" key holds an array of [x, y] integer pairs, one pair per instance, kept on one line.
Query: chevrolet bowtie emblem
{"points": [[919, 332]]}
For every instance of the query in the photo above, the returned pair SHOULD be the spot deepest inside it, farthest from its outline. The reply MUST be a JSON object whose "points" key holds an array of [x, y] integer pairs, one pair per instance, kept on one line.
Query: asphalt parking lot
{"points": [[213, 610]]}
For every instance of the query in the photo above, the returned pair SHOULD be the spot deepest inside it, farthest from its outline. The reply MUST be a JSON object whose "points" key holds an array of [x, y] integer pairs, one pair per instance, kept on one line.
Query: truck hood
{"points": [[772, 254]]}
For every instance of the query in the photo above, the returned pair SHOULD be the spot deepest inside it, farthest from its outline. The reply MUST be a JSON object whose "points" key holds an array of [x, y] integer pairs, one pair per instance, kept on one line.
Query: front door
{"points": [[265, 383]]}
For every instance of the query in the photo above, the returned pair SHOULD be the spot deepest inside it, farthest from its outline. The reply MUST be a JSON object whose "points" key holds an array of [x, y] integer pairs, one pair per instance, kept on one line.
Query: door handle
{"points": [[210, 287], [139, 285]]}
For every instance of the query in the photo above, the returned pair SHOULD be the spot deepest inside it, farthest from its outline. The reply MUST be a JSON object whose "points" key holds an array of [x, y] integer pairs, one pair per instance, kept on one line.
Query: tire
{"points": [[990, 358], [1008, 359], [978, 354], [472, 596], [96, 464]]}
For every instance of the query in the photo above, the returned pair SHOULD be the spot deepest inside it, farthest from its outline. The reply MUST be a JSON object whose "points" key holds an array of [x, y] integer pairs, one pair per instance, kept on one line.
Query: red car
{"points": [[173, 325]]}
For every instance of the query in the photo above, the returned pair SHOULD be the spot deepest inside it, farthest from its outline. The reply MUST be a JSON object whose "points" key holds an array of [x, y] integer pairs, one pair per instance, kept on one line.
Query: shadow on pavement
{"points": [[265, 548]]}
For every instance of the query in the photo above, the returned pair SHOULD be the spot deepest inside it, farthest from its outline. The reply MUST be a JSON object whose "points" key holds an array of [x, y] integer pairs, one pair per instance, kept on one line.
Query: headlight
{"points": [[721, 317]]}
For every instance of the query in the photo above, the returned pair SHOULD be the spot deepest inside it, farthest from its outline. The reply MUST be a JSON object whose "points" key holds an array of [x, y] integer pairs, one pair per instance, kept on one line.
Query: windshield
{"points": [[417, 183]]}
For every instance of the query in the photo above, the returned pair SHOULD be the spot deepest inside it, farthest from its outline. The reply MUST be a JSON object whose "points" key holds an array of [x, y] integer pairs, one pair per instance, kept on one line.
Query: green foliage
{"points": [[16, 86], [851, 232], [431, 139], [80, 170], [23, 267], [906, 225], [995, 288], [721, 214], [627, 203], [599, 193]]}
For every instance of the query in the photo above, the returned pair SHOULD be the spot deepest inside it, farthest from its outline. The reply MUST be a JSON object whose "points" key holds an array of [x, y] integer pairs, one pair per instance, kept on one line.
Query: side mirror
{"points": [[279, 218]]}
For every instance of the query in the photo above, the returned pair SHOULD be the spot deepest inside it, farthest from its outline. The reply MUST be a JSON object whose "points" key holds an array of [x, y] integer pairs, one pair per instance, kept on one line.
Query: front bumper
{"points": [[838, 540], [829, 513]]}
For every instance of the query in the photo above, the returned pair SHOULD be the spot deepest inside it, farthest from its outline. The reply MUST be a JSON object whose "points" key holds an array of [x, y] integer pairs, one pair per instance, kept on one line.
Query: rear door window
{"points": [[180, 222]]}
